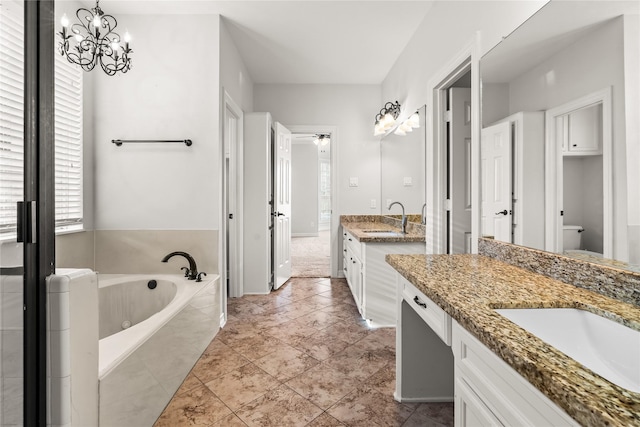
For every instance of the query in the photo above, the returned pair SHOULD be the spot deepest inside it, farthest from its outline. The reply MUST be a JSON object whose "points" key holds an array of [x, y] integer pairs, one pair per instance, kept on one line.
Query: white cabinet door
{"points": [[470, 411], [282, 201]]}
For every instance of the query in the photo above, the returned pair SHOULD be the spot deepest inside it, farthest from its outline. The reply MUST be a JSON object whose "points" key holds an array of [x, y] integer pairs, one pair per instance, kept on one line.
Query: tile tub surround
{"points": [[469, 287], [617, 283], [357, 224]]}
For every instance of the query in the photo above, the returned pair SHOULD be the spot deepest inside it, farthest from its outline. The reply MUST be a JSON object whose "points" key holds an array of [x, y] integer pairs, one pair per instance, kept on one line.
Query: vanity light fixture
{"points": [[322, 139], [86, 45], [386, 118], [413, 122]]}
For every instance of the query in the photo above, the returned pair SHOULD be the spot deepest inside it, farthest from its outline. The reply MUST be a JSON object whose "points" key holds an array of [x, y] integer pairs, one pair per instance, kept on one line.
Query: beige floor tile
{"points": [[356, 363], [256, 346], [230, 421], [323, 385], [291, 331], [286, 363], [189, 384], [198, 407], [218, 359], [325, 420], [319, 319], [279, 408], [432, 414], [321, 345], [364, 407], [242, 385]]}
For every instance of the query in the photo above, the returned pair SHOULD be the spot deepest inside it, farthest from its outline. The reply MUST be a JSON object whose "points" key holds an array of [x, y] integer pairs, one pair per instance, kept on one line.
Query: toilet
{"points": [[572, 237]]}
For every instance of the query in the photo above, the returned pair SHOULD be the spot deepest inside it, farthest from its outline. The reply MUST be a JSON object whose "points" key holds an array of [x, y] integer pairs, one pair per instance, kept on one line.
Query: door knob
{"points": [[504, 212]]}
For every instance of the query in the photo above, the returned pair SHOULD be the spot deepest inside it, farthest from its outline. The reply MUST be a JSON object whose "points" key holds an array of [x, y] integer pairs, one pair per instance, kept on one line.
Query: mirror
{"points": [[553, 147], [402, 174]]}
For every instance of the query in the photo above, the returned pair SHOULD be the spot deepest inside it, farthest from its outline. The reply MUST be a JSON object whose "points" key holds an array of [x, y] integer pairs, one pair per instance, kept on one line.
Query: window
{"points": [[68, 127]]}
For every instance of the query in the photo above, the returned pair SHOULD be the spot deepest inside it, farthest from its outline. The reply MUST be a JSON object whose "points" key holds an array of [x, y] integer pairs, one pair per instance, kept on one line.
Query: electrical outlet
{"points": [[353, 181], [407, 181], [373, 204]]}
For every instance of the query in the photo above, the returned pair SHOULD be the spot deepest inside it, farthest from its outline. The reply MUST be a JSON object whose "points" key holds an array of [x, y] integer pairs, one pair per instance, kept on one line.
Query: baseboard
{"points": [[304, 234]]}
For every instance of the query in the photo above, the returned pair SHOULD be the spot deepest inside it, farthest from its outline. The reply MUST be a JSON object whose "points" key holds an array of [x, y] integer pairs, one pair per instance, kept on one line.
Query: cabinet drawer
{"points": [[437, 319], [353, 245]]}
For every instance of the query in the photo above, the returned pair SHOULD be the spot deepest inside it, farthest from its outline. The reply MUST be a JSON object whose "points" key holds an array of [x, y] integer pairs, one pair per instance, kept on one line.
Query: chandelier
{"points": [[92, 41]]}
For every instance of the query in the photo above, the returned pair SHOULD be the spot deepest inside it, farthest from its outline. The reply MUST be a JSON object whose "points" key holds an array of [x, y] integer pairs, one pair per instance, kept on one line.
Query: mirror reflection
{"points": [[555, 147], [402, 163]]}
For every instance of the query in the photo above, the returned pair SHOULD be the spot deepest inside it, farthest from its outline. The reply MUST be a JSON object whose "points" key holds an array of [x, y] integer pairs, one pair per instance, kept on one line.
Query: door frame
{"points": [[553, 170], [335, 218], [235, 194], [436, 155]]}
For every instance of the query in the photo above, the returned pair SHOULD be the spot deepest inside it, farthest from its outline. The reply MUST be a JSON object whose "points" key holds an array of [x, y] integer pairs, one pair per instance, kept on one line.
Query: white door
{"points": [[495, 153], [282, 202], [460, 170]]}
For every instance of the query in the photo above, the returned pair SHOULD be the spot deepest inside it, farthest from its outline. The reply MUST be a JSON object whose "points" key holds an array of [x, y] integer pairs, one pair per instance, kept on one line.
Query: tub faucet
{"points": [[404, 217], [192, 272]]}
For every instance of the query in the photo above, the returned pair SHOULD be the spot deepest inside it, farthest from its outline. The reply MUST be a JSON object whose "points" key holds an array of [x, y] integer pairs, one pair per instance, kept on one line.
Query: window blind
{"points": [[68, 127]]}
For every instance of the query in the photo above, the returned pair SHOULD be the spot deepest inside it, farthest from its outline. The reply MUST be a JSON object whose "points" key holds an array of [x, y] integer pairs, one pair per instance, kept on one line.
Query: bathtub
{"points": [[128, 298], [149, 340]]}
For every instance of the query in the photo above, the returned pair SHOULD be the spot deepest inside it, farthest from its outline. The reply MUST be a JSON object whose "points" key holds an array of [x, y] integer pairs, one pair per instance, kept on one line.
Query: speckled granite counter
{"points": [[469, 287], [358, 225]]}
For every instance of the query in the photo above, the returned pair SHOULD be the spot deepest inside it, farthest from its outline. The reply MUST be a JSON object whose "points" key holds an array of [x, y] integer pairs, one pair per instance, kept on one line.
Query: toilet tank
{"points": [[571, 237]]}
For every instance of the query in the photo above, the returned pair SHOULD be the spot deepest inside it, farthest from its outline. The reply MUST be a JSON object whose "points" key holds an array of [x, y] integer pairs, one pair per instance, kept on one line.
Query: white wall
{"points": [[591, 64], [632, 110], [234, 76], [170, 93], [446, 30], [304, 189], [351, 108]]}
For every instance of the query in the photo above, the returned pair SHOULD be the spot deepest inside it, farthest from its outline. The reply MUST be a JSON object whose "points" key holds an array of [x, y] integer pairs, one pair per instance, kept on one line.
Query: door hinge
{"points": [[448, 205], [447, 116], [230, 216], [561, 213]]}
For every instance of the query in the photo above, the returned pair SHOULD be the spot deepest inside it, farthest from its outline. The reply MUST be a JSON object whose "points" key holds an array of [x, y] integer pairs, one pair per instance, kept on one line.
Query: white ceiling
{"points": [[303, 41]]}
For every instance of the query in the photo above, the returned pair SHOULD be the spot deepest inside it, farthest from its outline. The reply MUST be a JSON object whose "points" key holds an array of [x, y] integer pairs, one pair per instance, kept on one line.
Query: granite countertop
{"points": [[358, 225], [469, 287]]}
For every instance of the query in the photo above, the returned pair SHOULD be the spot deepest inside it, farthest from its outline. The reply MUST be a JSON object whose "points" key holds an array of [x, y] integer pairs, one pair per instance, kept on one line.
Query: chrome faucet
{"points": [[192, 272], [423, 219], [404, 217]]}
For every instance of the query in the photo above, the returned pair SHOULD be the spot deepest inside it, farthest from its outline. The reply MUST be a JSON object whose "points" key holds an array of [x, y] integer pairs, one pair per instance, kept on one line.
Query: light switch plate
{"points": [[373, 204], [407, 181], [353, 181]]}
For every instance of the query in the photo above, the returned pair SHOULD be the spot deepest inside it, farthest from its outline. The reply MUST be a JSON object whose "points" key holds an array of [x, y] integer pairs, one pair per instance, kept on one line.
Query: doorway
{"points": [[232, 196], [311, 205], [455, 105]]}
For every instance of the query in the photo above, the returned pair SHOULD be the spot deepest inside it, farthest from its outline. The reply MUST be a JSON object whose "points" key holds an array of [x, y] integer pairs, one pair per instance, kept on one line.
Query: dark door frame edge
{"points": [[39, 250]]}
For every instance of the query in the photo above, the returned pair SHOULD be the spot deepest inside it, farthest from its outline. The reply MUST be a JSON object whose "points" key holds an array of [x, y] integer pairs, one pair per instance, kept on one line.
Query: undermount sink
{"points": [[384, 233], [608, 348]]}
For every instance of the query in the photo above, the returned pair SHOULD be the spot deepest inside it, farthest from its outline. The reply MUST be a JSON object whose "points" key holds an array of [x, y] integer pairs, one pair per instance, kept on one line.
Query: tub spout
{"points": [[192, 272]]}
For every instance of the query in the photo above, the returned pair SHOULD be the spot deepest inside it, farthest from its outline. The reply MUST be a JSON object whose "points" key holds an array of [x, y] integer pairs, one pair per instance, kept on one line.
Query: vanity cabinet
{"points": [[352, 267], [371, 280], [490, 392]]}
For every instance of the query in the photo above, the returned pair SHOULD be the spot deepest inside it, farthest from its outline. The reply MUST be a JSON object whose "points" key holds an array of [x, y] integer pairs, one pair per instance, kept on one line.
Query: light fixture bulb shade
{"points": [[406, 127], [127, 37], [414, 120], [115, 46], [378, 130], [64, 21], [399, 131], [325, 141], [315, 141]]}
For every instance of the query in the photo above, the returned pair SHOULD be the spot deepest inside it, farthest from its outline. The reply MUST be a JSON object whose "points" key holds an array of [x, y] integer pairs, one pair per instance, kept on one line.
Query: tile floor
{"points": [[301, 356]]}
